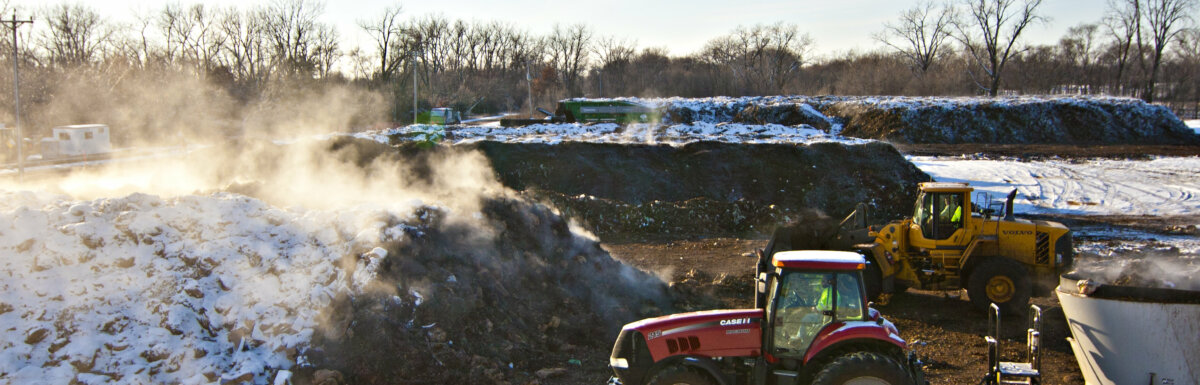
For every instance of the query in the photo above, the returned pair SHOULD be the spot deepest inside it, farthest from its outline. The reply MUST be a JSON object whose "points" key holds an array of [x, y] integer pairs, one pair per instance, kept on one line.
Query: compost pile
{"points": [[1014, 120], [705, 188], [483, 304]]}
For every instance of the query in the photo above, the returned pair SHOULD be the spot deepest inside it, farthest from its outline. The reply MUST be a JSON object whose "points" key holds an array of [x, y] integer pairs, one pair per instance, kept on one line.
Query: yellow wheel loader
{"points": [[951, 242]]}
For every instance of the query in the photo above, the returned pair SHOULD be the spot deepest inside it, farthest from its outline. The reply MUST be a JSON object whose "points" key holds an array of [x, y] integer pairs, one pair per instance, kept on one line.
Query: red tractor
{"points": [[811, 324]]}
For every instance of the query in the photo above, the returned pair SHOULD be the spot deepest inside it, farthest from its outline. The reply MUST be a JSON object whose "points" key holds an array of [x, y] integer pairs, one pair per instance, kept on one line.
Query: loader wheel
{"points": [[863, 368], [680, 375], [1001, 281]]}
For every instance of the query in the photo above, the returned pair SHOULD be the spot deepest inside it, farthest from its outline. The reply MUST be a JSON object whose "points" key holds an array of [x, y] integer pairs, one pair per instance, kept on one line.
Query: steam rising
{"points": [[221, 262], [1150, 268]]}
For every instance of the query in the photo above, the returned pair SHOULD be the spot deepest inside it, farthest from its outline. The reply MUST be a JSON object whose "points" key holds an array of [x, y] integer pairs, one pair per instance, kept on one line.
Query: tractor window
{"points": [[803, 305], [849, 298]]}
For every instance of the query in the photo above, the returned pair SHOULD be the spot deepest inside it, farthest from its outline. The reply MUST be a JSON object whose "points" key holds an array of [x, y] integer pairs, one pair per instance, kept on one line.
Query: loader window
{"points": [[939, 214]]}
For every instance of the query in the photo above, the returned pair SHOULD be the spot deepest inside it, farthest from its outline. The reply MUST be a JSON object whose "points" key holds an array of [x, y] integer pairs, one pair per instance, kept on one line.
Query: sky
{"points": [[682, 27]]}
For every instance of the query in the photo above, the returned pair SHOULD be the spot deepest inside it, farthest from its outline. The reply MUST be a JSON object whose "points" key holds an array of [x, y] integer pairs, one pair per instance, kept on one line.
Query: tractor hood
{"points": [[713, 333]]}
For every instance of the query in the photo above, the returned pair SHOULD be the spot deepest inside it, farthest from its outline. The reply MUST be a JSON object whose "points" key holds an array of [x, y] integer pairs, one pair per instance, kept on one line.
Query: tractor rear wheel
{"points": [[1002, 281], [680, 375], [863, 368]]}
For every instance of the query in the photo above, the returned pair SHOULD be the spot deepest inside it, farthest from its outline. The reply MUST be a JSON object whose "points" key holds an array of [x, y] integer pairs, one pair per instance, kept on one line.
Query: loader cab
{"points": [[809, 291], [940, 216]]}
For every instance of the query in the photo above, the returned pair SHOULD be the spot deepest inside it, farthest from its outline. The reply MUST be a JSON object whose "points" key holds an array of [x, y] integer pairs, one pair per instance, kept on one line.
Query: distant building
{"points": [[76, 140]]}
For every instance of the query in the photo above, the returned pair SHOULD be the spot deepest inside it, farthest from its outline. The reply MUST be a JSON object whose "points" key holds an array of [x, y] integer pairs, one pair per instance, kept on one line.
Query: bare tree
{"points": [[247, 51], [611, 50], [920, 34], [990, 34], [325, 51], [294, 35], [762, 58], [75, 35], [1165, 19], [386, 30], [570, 51], [1122, 21], [1079, 44], [207, 42]]}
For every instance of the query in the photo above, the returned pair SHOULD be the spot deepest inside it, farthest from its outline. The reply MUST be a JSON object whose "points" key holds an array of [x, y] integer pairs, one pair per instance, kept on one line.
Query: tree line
{"points": [[266, 64]]}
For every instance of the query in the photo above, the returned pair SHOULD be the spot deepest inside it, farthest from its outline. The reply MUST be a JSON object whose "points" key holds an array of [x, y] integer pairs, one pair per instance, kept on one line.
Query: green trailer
{"points": [[593, 111], [439, 116], [607, 111]]}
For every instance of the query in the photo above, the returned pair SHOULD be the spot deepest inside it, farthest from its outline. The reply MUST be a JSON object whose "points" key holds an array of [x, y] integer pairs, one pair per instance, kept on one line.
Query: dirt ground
{"points": [[946, 333]]}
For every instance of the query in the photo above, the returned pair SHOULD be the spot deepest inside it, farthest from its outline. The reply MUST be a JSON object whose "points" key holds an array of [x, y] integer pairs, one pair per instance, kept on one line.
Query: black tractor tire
{"points": [[863, 367], [1002, 281], [680, 375]]}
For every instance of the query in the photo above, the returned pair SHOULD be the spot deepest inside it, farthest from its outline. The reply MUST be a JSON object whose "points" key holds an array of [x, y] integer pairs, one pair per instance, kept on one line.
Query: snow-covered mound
{"points": [[675, 134], [1027, 119], [1054, 120], [195, 289]]}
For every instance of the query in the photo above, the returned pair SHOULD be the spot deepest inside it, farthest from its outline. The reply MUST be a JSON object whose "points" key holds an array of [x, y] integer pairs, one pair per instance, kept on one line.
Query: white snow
{"points": [[1193, 124], [1164, 186], [194, 289]]}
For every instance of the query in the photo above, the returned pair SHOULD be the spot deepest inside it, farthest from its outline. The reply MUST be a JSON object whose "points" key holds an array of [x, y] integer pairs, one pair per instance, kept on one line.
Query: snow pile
{"points": [[677, 134], [1023, 119], [1193, 124], [1055, 120], [194, 289], [1165, 186]]}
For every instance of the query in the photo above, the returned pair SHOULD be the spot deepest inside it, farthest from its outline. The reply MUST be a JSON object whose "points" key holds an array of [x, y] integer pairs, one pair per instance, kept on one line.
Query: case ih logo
{"points": [[735, 322], [682, 344]]}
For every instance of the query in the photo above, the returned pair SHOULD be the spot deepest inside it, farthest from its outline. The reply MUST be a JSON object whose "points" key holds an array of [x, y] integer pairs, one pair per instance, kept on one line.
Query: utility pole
{"points": [[529, 87], [414, 75], [13, 24]]}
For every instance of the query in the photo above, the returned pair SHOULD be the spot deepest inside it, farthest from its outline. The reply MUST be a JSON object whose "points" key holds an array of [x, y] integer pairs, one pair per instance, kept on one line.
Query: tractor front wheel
{"points": [[863, 368], [680, 375], [1001, 281]]}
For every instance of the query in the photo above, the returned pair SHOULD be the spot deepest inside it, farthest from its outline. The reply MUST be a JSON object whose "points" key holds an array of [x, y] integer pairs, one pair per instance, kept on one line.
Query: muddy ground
{"points": [[945, 332]]}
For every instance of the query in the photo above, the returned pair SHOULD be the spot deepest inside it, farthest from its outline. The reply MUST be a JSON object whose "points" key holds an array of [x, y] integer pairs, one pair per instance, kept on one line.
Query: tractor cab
{"points": [[811, 325], [809, 291]]}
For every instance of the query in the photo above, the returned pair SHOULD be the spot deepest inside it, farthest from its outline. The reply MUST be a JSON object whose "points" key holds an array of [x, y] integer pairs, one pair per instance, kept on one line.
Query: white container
{"points": [[82, 139], [1132, 335]]}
